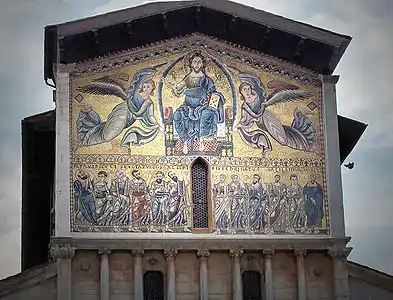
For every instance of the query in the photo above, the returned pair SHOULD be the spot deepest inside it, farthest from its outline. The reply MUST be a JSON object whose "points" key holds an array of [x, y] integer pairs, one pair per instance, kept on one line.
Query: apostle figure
{"points": [[221, 204], [296, 203], [120, 191], [159, 203], [139, 198], [101, 195], [196, 119], [237, 198], [83, 197], [178, 204], [257, 205], [313, 199], [277, 198]]}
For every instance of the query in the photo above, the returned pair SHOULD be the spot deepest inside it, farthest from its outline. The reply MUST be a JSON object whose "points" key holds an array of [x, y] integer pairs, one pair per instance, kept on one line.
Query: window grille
{"points": [[153, 285], [199, 174], [251, 285]]}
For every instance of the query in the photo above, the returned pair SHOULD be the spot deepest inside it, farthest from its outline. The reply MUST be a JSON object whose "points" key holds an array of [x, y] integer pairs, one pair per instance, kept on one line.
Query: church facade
{"points": [[197, 157]]}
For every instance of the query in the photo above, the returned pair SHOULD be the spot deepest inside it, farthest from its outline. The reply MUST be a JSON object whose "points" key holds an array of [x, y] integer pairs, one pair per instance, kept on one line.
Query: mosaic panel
{"points": [[139, 119]]}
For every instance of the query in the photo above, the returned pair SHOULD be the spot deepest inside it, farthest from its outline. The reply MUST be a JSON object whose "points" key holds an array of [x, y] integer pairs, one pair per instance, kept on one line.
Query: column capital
{"points": [[235, 253], [203, 253], [330, 78], [300, 252], [170, 253], [104, 251], [268, 253], [62, 251], [339, 253], [138, 252]]}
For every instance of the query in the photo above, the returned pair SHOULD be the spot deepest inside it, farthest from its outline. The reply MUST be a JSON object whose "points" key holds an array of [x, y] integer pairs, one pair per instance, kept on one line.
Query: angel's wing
{"points": [[107, 85], [252, 79], [283, 92]]}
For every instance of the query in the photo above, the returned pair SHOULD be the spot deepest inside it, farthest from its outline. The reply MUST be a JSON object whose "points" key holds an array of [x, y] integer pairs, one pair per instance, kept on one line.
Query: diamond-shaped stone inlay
{"points": [[79, 98], [312, 105]]}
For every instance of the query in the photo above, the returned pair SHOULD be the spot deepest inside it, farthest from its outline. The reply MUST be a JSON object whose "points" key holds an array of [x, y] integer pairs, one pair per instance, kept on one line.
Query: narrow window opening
{"points": [[200, 194], [252, 285], [153, 285]]}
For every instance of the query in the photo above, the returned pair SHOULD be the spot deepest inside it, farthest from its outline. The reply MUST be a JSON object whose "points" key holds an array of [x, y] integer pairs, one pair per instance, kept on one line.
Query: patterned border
{"points": [[194, 41]]}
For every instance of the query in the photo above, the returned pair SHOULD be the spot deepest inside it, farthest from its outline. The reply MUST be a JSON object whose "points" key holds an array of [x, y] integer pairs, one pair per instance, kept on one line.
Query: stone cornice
{"points": [[195, 242]]}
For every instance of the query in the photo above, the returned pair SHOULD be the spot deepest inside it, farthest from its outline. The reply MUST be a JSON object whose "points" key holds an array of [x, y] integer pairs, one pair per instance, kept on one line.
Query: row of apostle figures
{"points": [[255, 206], [133, 202], [162, 203]]}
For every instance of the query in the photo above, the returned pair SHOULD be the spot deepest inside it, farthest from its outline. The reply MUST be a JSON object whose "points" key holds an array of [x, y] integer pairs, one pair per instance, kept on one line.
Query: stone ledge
{"points": [[201, 241], [27, 278]]}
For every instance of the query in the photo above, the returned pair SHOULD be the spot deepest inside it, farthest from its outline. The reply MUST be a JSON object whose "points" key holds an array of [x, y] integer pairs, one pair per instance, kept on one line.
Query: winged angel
{"points": [[300, 135], [137, 105]]}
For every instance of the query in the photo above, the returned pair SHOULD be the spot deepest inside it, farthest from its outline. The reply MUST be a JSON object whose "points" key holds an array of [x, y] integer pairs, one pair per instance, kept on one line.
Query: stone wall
{"points": [[86, 274], [36, 283]]}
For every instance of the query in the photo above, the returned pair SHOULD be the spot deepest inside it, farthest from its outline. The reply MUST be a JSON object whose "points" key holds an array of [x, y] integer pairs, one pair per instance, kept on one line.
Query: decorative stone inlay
{"points": [[62, 251], [235, 253], [268, 253], [138, 252], [170, 253], [203, 253], [339, 253]]}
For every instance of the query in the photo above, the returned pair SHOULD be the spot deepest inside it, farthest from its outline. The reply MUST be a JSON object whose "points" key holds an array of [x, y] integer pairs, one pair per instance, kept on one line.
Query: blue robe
{"points": [[313, 205], [84, 201], [195, 118]]}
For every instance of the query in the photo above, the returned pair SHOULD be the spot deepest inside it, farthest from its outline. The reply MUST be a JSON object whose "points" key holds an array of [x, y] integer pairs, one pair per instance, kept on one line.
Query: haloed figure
{"points": [[195, 120], [313, 197], [83, 197]]}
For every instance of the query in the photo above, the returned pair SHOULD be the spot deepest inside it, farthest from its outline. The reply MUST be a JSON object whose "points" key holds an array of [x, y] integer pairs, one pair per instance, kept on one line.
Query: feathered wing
{"points": [[252, 79], [284, 92], [107, 85]]}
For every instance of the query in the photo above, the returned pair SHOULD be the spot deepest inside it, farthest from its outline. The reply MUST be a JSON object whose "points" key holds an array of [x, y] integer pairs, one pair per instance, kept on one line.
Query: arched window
{"points": [[153, 285], [252, 285], [200, 186]]}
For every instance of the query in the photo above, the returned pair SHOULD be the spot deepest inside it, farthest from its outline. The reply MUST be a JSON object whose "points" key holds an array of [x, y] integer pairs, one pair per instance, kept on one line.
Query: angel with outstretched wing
{"points": [[137, 106], [300, 135]]}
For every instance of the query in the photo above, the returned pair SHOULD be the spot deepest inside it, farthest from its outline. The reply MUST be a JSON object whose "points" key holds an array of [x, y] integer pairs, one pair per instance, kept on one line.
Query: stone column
{"points": [[63, 254], [301, 274], [170, 255], [340, 273], [237, 286], [332, 157], [138, 273], [203, 275], [269, 288], [104, 274]]}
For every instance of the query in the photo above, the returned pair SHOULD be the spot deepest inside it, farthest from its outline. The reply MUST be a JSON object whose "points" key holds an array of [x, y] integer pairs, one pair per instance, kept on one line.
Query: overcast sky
{"points": [[364, 93]]}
